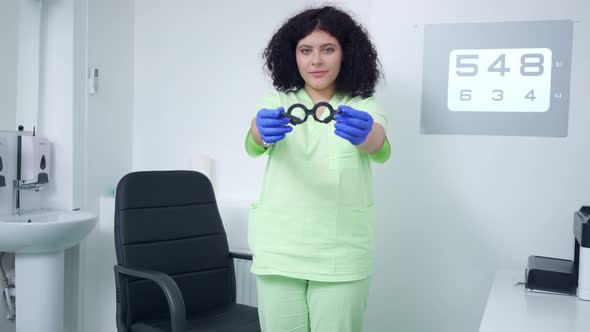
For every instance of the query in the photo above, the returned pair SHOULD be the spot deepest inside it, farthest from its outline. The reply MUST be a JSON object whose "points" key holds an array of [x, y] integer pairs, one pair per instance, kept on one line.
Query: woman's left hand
{"points": [[353, 125]]}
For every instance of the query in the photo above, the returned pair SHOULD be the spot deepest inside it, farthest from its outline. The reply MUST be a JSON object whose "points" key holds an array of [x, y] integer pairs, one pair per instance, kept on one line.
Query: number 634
{"points": [[497, 95]]}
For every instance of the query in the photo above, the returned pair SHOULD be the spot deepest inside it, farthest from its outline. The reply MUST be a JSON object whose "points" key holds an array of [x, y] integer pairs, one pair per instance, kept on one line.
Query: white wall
{"points": [[60, 109], [56, 119], [27, 94], [91, 137], [11, 15], [198, 76], [451, 209], [8, 61], [110, 110], [56, 99], [107, 150], [456, 208], [19, 63]]}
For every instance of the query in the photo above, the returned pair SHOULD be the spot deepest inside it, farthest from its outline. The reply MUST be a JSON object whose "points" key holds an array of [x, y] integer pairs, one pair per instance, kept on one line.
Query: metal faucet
{"points": [[17, 187]]}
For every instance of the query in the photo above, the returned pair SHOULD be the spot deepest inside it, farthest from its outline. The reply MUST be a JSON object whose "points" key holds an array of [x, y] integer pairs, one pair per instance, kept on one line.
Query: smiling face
{"points": [[319, 56]]}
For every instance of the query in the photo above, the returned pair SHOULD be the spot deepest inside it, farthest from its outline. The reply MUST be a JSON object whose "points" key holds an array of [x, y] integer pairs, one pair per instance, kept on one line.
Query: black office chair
{"points": [[175, 272]]}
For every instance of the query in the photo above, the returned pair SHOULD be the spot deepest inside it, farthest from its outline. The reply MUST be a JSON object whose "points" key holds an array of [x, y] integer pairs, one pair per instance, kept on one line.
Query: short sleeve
{"points": [[373, 107], [270, 100]]}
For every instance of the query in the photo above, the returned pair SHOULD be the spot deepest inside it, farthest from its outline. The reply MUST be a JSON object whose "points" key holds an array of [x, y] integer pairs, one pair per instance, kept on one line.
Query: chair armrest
{"points": [[170, 289], [240, 255]]}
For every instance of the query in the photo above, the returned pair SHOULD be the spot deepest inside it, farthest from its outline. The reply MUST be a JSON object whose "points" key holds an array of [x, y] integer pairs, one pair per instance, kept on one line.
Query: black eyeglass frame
{"points": [[294, 120]]}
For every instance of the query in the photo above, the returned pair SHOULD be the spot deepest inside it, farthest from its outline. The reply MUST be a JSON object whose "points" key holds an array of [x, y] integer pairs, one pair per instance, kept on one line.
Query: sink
{"points": [[44, 230], [38, 240]]}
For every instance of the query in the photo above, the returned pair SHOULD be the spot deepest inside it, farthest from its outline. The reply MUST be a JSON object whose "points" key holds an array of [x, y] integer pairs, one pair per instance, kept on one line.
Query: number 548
{"points": [[531, 64]]}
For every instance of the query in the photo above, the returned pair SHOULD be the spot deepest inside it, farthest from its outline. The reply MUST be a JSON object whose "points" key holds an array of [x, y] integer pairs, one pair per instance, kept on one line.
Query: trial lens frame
{"points": [[294, 120]]}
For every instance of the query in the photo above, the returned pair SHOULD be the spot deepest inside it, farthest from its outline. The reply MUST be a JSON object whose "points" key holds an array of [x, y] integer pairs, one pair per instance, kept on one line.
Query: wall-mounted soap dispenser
{"points": [[3, 158], [35, 159]]}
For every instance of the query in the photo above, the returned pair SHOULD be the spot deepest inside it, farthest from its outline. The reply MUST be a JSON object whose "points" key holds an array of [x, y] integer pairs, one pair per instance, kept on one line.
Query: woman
{"points": [[312, 231]]}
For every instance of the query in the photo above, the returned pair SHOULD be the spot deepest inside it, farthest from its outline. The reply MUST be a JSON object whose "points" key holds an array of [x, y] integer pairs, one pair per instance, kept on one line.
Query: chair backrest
{"points": [[168, 221]]}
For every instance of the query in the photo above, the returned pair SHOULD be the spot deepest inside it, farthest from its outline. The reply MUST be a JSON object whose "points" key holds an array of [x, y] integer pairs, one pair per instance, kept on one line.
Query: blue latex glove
{"points": [[272, 124], [353, 125]]}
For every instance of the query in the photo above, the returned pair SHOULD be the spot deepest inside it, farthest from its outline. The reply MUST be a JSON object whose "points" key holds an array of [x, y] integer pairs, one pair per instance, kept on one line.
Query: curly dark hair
{"points": [[359, 72]]}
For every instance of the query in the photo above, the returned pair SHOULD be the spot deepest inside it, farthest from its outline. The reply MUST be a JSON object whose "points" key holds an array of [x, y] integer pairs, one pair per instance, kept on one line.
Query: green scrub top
{"points": [[315, 216]]}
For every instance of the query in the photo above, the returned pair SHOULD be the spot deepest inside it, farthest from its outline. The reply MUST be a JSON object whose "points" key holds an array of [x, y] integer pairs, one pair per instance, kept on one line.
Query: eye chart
{"points": [[509, 78]]}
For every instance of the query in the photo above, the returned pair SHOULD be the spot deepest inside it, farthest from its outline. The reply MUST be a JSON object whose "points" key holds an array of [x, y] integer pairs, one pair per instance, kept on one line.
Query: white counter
{"points": [[511, 308]]}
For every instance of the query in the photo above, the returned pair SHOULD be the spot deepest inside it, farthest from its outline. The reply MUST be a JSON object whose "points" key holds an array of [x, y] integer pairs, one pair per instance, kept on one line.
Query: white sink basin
{"points": [[38, 240], [44, 231]]}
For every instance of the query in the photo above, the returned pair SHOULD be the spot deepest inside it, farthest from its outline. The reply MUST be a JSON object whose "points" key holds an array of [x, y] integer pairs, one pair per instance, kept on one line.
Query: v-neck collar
{"points": [[302, 95]]}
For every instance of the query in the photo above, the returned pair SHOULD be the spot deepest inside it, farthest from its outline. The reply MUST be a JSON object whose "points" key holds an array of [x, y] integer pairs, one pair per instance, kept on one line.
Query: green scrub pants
{"points": [[297, 305]]}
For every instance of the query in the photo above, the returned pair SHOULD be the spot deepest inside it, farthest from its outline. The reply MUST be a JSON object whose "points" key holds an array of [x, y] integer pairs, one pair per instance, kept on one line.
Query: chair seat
{"points": [[232, 318]]}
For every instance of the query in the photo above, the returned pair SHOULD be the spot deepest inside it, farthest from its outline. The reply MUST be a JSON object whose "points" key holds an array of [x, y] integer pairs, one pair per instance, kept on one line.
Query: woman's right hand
{"points": [[272, 124]]}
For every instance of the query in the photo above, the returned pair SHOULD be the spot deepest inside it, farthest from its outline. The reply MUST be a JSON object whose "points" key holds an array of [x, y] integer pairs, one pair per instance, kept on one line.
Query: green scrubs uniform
{"points": [[315, 216], [312, 230]]}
